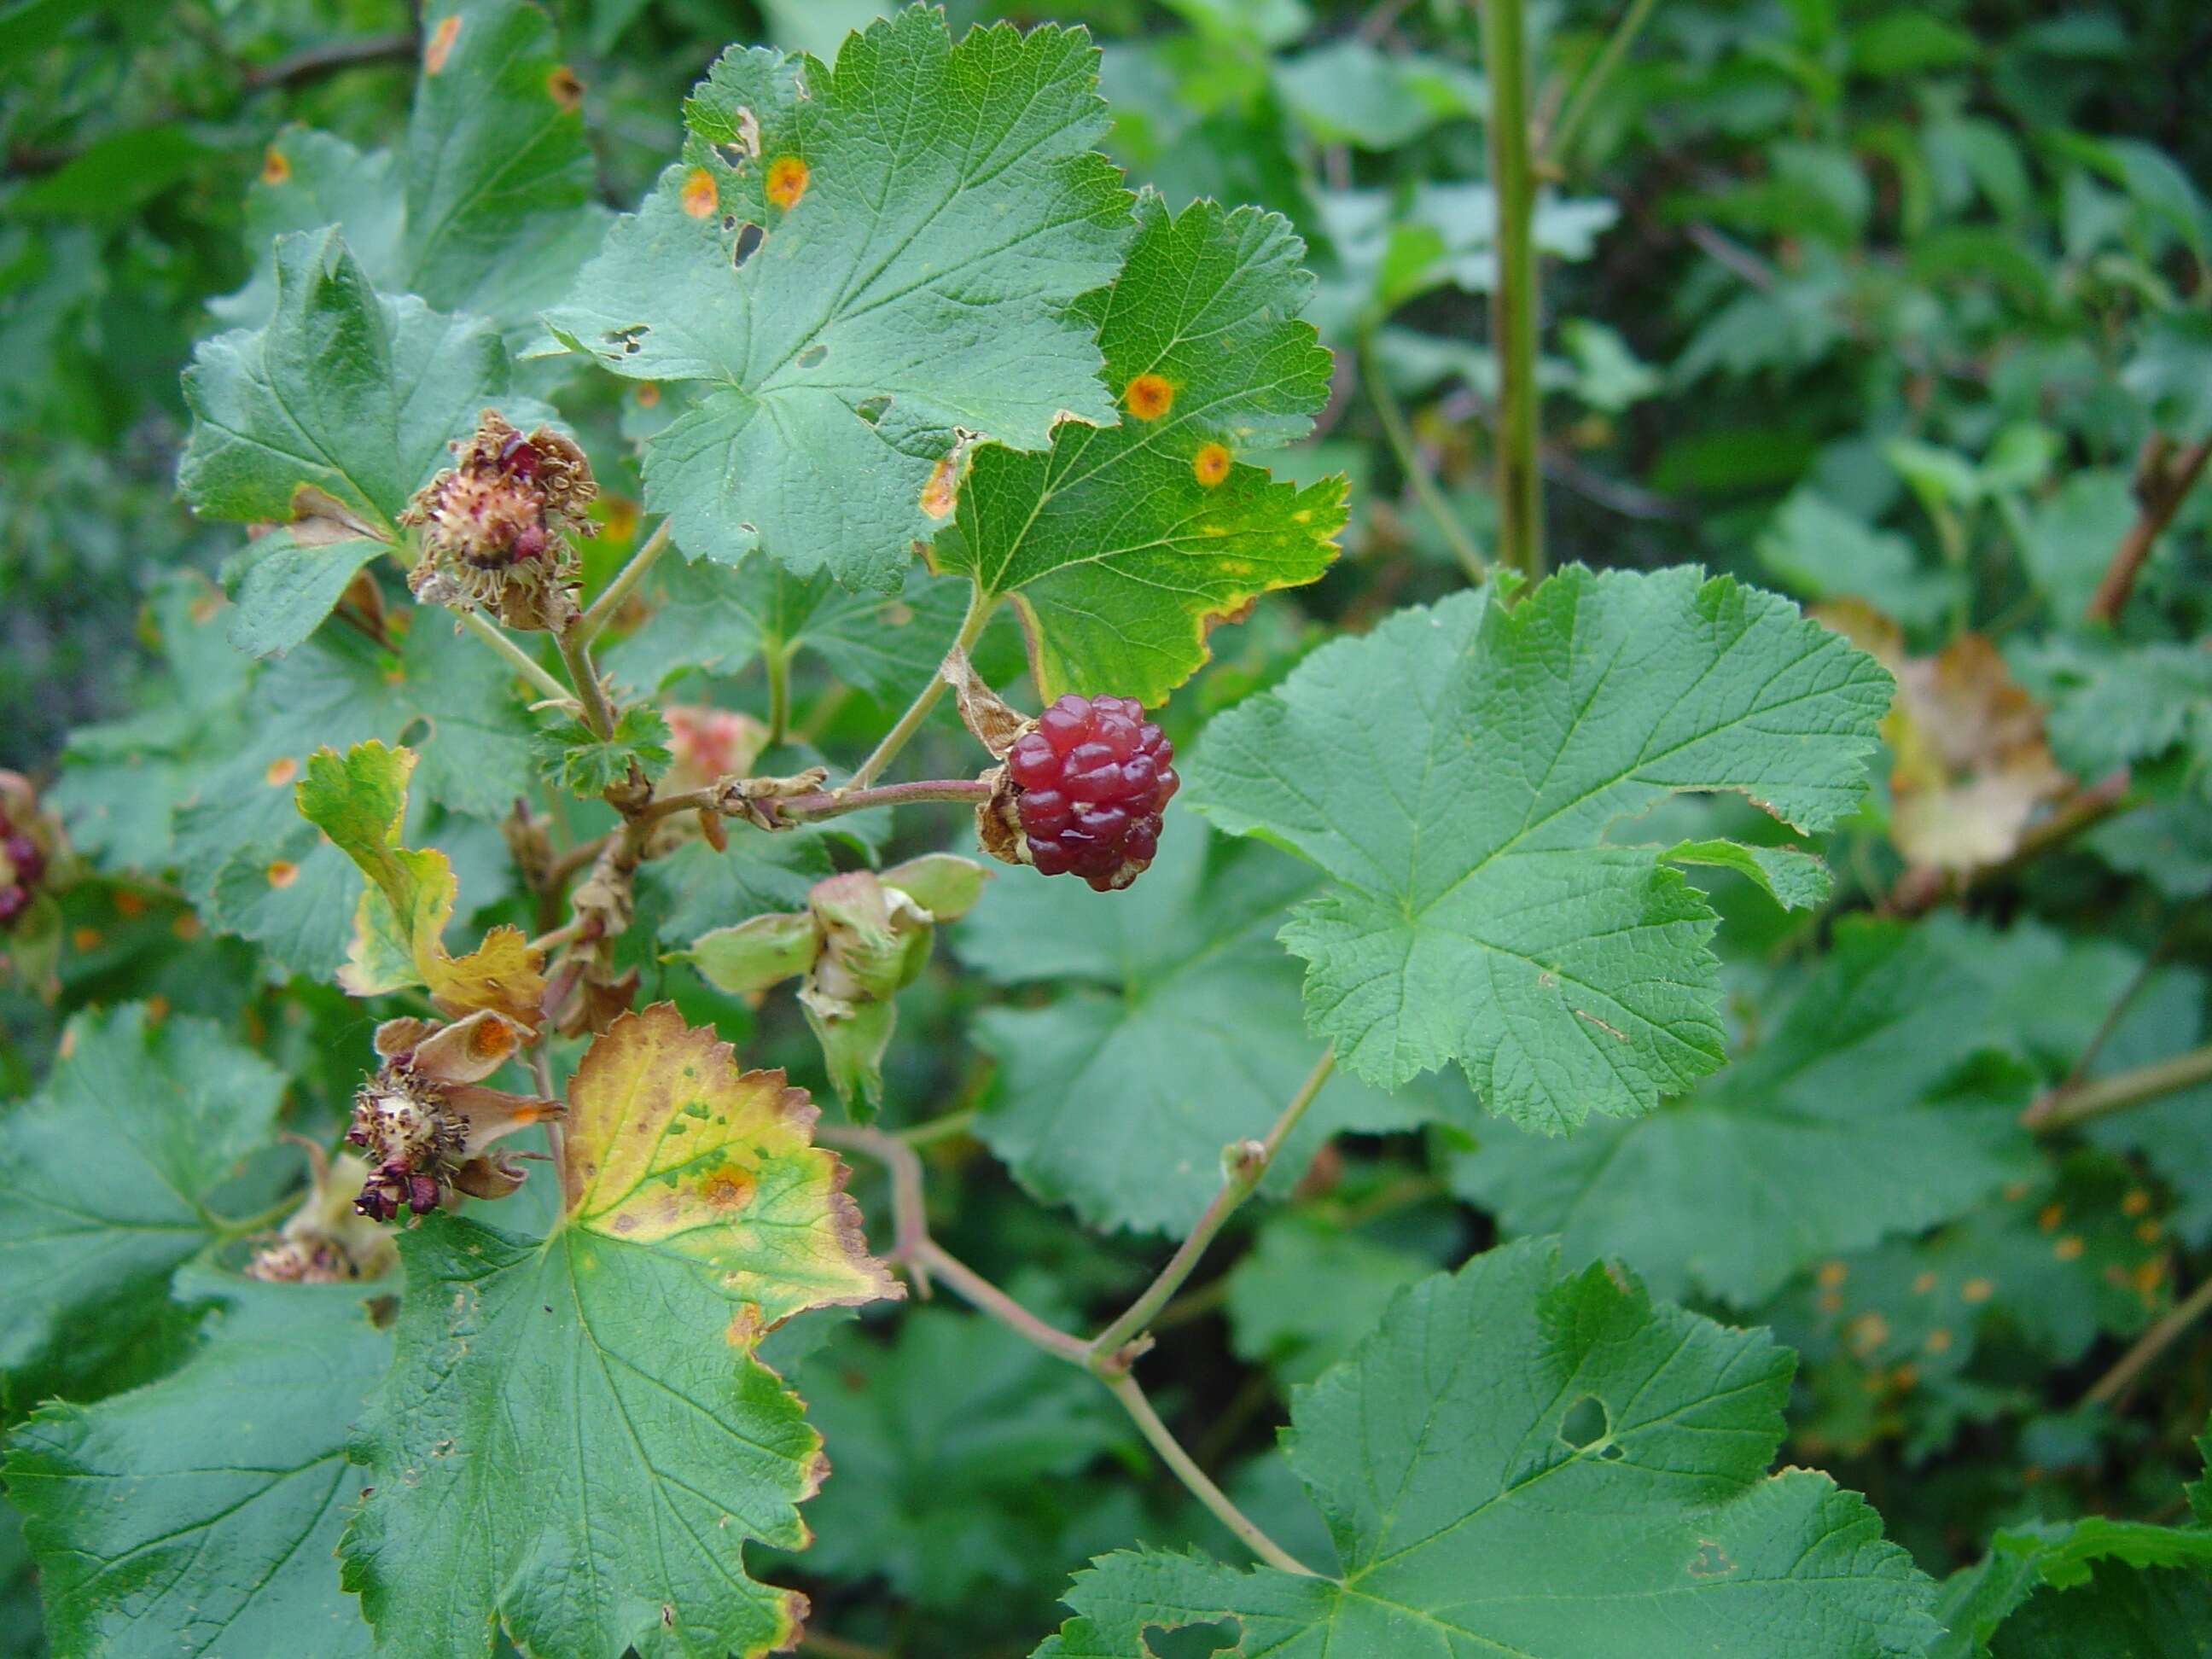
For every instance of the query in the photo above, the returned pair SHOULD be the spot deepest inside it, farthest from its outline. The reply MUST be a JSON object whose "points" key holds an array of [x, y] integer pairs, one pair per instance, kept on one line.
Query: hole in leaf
{"points": [[1586, 1423], [1194, 1641], [813, 356], [872, 409], [749, 237], [1613, 1452], [625, 339]]}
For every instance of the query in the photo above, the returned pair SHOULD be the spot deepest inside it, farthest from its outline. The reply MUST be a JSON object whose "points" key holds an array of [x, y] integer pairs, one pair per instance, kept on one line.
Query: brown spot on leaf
{"points": [[727, 1188], [563, 86], [85, 938], [282, 872], [440, 45], [647, 394], [128, 903], [281, 771], [1211, 464], [274, 170], [699, 194]]}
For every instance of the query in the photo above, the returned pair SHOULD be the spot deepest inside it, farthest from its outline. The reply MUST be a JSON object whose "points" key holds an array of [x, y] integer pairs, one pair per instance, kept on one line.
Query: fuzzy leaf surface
{"points": [[105, 1178], [1121, 546], [1528, 1461], [1176, 1030], [1456, 773], [575, 1437], [201, 1511], [486, 207], [870, 267], [1856, 1118]]}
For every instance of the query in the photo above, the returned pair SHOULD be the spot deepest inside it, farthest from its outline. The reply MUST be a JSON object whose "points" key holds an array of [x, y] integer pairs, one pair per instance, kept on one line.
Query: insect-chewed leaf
{"points": [[862, 319], [358, 799], [1457, 773], [1121, 547], [671, 1146], [1527, 1461], [575, 1437]]}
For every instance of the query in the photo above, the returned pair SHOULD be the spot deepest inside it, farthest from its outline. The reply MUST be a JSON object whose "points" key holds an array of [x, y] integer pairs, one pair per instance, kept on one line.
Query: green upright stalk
{"points": [[1513, 306]]}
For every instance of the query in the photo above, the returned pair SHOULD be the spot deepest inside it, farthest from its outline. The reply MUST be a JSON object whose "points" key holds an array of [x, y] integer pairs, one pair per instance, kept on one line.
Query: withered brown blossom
{"points": [[326, 1239], [425, 1122], [496, 525]]}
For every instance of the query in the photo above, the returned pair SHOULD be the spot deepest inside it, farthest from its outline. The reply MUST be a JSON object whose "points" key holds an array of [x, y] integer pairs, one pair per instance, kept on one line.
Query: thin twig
{"points": [[601, 609], [1411, 464], [1243, 1163], [2163, 481], [311, 63], [2150, 1346], [1163, 1441], [939, 1128], [971, 629], [2065, 1108], [727, 797], [577, 858], [518, 659], [576, 654], [917, 1251]]}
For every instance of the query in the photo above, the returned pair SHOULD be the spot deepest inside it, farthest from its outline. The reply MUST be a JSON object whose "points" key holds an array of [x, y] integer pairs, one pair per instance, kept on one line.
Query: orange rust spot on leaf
{"points": [[2135, 1203], [1904, 1377], [1833, 1272], [727, 1188], [1939, 1341], [68, 1044], [85, 938], [128, 903], [1977, 1290], [185, 926], [2070, 1248], [647, 394], [281, 771], [2051, 1216], [2148, 1275], [941, 492], [2149, 1231], [563, 86], [1923, 1284], [1148, 396], [282, 872], [274, 170], [699, 195], [1832, 1301], [440, 45], [787, 181], [1211, 464]]}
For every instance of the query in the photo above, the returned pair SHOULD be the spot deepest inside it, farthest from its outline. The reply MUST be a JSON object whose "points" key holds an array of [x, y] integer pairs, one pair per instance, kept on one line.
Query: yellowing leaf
{"points": [[671, 1146], [358, 799]]}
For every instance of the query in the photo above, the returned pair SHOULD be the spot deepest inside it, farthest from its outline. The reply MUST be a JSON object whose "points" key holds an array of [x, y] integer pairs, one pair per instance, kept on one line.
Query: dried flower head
{"points": [[424, 1121], [327, 1239], [496, 525]]}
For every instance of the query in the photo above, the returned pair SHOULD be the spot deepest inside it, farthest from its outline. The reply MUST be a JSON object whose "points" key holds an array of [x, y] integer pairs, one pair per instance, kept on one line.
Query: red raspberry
{"points": [[1093, 779]]}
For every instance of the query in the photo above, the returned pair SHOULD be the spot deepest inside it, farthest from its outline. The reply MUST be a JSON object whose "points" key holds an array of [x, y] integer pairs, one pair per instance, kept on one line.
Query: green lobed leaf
{"points": [[575, 1439], [486, 207], [326, 418], [1456, 773], [1857, 1117], [872, 269], [1121, 546], [106, 1181], [576, 759], [202, 1512], [1527, 1461], [1176, 1030], [248, 861]]}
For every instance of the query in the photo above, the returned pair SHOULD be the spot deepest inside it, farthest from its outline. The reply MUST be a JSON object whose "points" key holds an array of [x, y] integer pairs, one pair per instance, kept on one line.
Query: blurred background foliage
{"points": [[1863, 301]]}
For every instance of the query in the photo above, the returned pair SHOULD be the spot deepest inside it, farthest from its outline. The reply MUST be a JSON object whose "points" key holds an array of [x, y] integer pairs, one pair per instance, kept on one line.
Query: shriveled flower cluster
{"points": [[24, 837], [495, 526], [425, 1122]]}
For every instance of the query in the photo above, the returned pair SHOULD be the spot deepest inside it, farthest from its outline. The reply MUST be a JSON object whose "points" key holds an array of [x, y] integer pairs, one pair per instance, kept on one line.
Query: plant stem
{"points": [[2150, 1346], [922, 1254], [1593, 83], [616, 593], [1411, 463], [971, 629], [1163, 1441], [521, 660], [1513, 302], [576, 654], [778, 664], [1243, 1163], [939, 1128], [2064, 1107], [2163, 479], [834, 803]]}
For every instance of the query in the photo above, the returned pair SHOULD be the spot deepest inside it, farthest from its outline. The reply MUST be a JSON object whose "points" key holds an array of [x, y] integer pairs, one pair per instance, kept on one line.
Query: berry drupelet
{"points": [[1094, 776]]}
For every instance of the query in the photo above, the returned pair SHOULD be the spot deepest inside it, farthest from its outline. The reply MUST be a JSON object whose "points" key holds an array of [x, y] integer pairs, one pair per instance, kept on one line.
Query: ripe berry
{"points": [[23, 853], [1093, 777]]}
